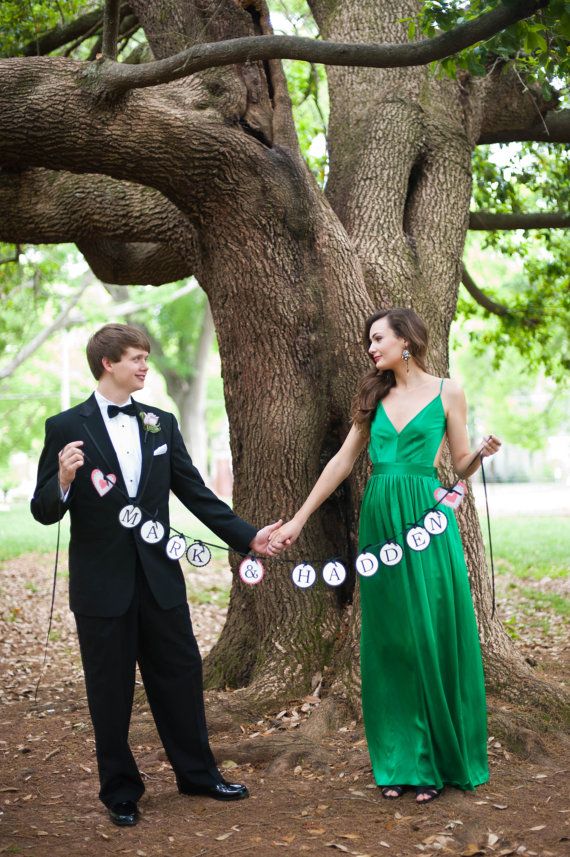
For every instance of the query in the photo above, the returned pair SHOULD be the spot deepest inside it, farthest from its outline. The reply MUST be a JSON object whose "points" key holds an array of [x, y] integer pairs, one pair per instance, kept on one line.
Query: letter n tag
{"points": [[435, 522]]}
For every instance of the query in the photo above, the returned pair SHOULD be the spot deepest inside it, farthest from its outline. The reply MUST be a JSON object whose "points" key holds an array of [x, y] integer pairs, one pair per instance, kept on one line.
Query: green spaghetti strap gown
{"points": [[423, 692]]}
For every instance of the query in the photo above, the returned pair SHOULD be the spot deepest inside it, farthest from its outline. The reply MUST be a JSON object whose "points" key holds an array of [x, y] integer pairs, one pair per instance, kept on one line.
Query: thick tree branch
{"points": [[482, 299], [134, 263], [117, 78], [49, 207], [489, 220], [64, 34], [554, 127], [111, 20]]}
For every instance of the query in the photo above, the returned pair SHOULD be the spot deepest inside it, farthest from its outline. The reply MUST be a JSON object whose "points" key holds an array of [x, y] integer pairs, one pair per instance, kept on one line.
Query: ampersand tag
{"points": [[251, 571]]}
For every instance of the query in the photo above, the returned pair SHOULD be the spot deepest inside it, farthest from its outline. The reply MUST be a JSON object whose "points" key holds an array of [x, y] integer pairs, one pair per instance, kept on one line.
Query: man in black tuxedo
{"points": [[128, 595]]}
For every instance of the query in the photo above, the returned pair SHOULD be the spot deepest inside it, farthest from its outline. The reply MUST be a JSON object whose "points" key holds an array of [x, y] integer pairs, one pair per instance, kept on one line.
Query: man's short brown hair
{"points": [[112, 341]]}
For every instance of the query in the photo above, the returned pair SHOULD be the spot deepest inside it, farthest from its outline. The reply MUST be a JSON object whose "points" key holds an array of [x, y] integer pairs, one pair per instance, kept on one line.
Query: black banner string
{"points": [[52, 598], [169, 528]]}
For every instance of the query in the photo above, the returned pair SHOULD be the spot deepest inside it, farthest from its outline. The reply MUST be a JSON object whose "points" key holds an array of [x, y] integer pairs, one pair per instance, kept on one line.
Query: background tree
{"points": [[191, 165]]}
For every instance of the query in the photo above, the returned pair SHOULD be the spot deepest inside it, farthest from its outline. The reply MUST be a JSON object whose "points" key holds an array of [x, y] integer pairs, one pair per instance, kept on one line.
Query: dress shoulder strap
{"points": [[441, 386]]}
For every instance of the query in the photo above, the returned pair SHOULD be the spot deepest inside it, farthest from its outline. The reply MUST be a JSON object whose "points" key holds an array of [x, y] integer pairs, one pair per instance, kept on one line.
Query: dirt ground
{"points": [[312, 798]]}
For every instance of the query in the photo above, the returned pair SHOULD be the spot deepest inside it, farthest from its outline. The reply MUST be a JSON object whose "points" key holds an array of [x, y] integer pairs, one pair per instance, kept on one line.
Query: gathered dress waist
{"points": [[403, 468]]}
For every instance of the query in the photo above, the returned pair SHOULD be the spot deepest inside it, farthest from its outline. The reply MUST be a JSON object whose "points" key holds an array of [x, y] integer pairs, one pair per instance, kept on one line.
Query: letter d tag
{"points": [[391, 553], [251, 571], [366, 564]]}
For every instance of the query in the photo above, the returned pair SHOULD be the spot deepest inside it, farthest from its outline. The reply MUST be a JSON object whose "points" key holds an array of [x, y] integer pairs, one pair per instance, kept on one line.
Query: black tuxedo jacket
{"points": [[103, 553]]}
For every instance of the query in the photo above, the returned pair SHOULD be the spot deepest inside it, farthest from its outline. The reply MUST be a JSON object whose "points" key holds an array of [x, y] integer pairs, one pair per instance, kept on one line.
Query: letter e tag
{"points": [[417, 538]]}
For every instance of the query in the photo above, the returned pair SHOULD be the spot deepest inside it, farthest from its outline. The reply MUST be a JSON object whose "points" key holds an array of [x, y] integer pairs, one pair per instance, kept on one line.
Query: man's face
{"points": [[129, 372]]}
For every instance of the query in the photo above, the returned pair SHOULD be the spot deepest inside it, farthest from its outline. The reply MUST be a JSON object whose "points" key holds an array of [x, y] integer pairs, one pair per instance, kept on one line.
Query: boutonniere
{"points": [[150, 423]]}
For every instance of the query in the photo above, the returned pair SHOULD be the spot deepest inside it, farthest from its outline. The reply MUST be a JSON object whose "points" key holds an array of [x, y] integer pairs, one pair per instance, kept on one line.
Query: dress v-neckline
{"points": [[404, 427]]}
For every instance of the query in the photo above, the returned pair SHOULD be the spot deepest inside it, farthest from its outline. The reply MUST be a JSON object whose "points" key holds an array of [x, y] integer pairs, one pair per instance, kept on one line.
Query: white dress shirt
{"points": [[125, 437]]}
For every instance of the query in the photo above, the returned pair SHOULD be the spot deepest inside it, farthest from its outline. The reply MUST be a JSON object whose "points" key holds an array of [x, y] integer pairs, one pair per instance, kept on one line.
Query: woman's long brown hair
{"points": [[375, 385]]}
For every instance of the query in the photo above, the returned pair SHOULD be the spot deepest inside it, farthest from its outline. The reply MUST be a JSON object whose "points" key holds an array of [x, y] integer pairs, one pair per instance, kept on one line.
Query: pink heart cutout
{"points": [[102, 483], [453, 498]]}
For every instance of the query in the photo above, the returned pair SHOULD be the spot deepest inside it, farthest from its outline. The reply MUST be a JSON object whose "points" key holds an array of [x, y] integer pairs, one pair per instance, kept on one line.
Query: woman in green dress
{"points": [[423, 695]]}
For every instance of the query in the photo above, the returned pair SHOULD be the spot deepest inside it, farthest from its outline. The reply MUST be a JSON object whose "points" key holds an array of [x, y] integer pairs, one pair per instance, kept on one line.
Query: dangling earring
{"points": [[406, 356]]}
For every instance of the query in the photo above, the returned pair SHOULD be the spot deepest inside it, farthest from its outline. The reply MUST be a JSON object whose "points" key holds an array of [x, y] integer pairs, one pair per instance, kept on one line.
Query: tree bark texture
{"points": [[290, 274]]}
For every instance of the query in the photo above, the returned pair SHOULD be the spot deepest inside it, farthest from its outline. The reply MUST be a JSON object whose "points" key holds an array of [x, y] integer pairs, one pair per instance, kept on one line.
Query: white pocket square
{"points": [[160, 450]]}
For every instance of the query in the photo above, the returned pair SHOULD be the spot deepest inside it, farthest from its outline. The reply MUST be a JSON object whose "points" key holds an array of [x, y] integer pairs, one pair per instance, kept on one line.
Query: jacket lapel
{"points": [[147, 449], [99, 436]]}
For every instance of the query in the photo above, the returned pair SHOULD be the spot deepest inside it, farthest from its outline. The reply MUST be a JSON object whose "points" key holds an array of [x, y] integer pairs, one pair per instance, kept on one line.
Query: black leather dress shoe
{"points": [[219, 791], [124, 814]]}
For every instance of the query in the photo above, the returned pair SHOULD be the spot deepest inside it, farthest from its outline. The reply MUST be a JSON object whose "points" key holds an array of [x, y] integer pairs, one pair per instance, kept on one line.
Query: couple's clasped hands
{"points": [[273, 539]]}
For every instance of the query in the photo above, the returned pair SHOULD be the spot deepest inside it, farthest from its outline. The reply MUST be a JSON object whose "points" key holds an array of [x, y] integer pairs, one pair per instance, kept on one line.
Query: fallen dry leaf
{"points": [[471, 850], [223, 836], [500, 805], [538, 827]]}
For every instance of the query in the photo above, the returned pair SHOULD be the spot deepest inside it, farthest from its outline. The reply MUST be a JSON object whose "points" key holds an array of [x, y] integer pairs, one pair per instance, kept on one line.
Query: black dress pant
{"points": [[163, 644]]}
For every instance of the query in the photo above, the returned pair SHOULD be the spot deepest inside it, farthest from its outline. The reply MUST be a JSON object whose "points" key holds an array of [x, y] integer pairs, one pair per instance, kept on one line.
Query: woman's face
{"points": [[385, 347]]}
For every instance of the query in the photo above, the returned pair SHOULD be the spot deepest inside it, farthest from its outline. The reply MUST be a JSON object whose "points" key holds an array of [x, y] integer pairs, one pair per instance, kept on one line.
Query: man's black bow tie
{"points": [[129, 410]]}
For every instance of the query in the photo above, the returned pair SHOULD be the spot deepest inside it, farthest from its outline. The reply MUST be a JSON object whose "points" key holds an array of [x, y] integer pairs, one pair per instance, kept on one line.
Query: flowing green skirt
{"points": [[423, 692]]}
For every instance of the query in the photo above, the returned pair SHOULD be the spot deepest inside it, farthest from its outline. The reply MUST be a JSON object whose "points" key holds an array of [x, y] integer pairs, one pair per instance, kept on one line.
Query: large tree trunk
{"points": [[290, 275], [400, 155]]}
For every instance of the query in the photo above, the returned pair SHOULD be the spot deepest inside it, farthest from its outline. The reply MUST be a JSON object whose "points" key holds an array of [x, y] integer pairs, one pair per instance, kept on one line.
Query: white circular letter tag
{"points": [[198, 554], [435, 522], [251, 571], [417, 538], [391, 553], [152, 532], [366, 564], [334, 573], [303, 575], [175, 547], [130, 516]]}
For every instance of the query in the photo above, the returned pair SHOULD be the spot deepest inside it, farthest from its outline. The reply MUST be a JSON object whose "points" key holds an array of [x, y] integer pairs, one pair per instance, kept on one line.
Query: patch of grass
{"points": [[214, 595], [531, 548], [546, 600], [20, 533]]}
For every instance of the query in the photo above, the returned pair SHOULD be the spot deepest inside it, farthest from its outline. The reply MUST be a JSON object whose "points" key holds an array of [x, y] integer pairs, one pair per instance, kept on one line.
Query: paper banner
{"points": [[391, 553], [176, 547], [251, 571], [303, 575], [334, 573], [152, 532], [198, 554], [417, 538], [130, 516], [366, 564]]}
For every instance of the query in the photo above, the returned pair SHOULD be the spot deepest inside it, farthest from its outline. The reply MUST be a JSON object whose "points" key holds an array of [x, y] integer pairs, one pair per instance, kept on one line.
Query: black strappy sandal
{"points": [[398, 789], [431, 792]]}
